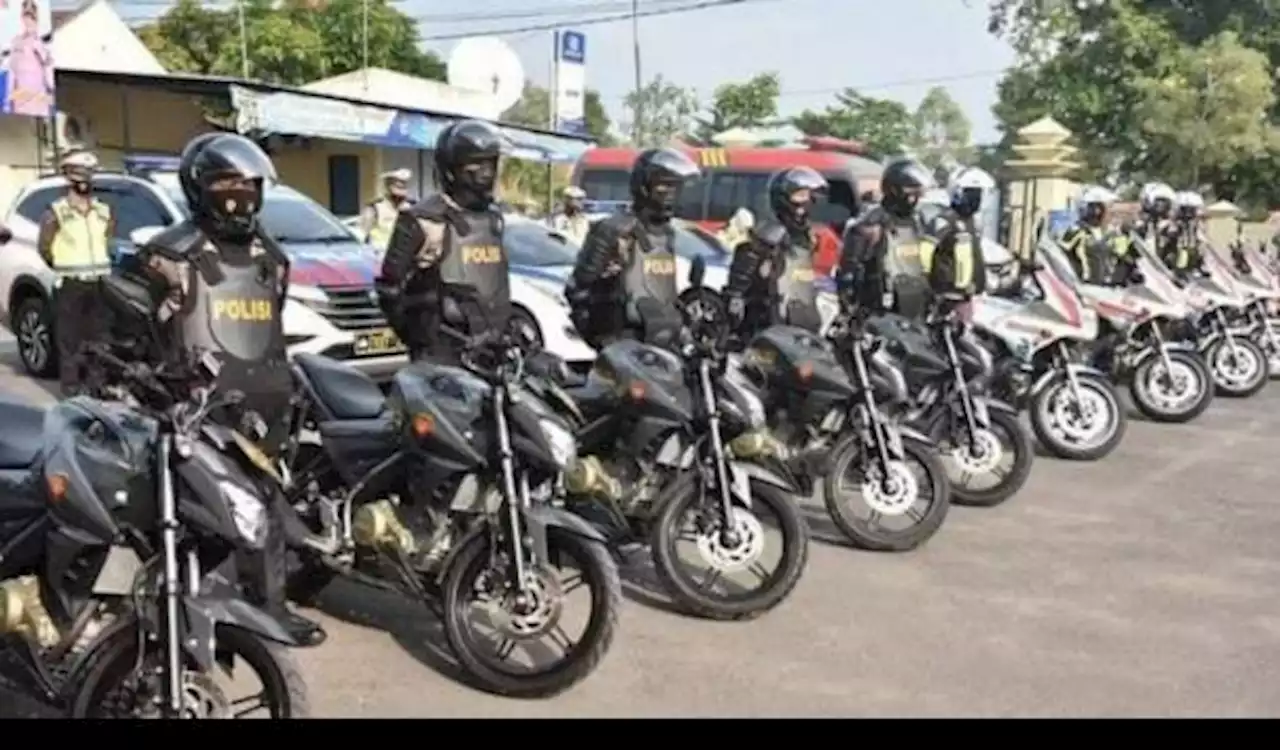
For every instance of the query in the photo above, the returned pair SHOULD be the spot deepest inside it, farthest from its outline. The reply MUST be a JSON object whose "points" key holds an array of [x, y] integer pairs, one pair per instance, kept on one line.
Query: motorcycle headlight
{"points": [[248, 512], [564, 448]]}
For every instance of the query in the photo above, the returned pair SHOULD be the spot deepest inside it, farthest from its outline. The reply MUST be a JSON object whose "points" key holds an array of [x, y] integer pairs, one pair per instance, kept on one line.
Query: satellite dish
{"points": [[487, 64]]}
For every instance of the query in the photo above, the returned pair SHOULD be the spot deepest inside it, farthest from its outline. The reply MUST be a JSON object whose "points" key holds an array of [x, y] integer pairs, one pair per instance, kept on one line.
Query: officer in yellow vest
{"points": [[73, 241], [379, 216]]}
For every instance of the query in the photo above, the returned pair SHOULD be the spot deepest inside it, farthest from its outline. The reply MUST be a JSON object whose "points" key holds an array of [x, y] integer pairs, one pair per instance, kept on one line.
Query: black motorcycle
{"points": [[118, 532], [675, 452], [469, 453], [834, 403], [981, 438]]}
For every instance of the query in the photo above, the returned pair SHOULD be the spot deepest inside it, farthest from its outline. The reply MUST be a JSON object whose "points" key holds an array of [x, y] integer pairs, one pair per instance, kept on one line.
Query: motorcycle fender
{"points": [[205, 613], [768, 471], [1206, 342], [538, 518], [1073, 368], [908, 433], [998, 405]]}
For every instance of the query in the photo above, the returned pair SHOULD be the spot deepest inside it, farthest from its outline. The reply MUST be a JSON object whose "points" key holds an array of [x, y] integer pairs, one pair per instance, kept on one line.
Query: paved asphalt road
{"points": [[1144, 585]]}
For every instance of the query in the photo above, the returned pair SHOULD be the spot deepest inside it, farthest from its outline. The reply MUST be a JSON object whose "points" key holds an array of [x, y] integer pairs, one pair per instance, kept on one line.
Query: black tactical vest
{"points": [[798, 297], [651, 273], [905, 271], [479, 260]]}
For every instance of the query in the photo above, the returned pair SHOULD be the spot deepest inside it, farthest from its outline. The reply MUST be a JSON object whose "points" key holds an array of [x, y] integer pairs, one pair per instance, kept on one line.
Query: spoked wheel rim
{"points": [[1236, 367], [894, 506], [1174, 390], [34, 340], [538, 631], [731, 567], [994, 459], [1086, 424]]}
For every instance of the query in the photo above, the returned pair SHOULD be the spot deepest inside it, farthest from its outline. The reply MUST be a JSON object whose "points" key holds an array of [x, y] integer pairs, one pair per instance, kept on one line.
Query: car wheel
{"points": [[33, 328], [524, 320]]}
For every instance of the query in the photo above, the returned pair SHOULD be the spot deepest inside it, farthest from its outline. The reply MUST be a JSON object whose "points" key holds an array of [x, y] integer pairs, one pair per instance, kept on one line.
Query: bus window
{"points": [[693, 199], [838, 207], [733, 190], [606, 184]]}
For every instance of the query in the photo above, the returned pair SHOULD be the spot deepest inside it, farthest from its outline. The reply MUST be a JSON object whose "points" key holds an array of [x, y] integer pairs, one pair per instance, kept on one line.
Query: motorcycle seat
{"points": [[342, 389], [21, 433]]}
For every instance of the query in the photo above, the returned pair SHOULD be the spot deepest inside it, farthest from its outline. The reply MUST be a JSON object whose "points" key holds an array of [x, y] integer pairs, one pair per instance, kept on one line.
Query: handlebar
{"points": [[509, 351], [159, 384]]}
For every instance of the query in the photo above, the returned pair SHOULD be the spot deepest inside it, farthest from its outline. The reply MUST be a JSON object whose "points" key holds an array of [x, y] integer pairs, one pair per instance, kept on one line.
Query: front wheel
{"points": [[521, 643], [894, 513], [734, 581], [1172, 395], [121, 684], [1086, 428], [993, 467], [1239, 371]]}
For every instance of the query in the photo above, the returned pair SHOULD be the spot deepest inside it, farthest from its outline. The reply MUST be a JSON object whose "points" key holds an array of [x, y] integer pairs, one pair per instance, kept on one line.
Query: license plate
{"points": [[381, 341]]}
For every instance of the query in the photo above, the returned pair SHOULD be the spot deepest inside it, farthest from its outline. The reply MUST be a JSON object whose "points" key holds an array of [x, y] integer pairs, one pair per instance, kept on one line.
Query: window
{"points": [[693, 197], [344, 184], [733, 190], [292, 217], [606, 184], [130, 204], [531, 244], [34, 206]]}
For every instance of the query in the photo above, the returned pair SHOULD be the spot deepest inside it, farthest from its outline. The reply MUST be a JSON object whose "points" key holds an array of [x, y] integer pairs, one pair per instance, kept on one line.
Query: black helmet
{"points": [[467, 155], [230, 209], [656, 179], [785, 184], [902, 184]]}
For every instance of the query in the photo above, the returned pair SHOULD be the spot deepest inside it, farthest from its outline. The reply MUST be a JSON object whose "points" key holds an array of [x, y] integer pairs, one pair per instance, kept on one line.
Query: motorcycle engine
{"points": [[22, 612], [627, 484]]}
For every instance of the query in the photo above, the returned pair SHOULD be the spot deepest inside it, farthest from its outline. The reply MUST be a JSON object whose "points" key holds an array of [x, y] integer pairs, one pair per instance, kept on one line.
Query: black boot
{"points": [[269, 577]]}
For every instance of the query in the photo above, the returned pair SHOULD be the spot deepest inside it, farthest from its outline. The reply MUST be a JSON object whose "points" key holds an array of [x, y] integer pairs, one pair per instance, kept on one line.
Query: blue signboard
{"points": [[572, 47]]}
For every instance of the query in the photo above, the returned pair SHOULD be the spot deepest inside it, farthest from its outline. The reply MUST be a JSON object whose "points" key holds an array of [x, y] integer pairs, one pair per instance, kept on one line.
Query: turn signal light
{"points": [[635, 391], [423, 425], [58, 485], [804, 371]]}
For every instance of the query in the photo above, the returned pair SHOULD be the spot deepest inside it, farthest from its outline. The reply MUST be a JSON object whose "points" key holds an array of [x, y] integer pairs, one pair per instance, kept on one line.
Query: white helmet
{"points": [[1189, 199], [935, 197], [969, 178], [1155, 193], [80, 160], [1094, 194]]}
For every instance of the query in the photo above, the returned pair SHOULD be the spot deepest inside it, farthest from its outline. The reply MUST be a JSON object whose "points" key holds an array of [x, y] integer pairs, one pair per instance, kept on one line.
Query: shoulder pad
{"points": [[435, 208], [872, 215], [619, 223], [180, 242], [770, 233]]}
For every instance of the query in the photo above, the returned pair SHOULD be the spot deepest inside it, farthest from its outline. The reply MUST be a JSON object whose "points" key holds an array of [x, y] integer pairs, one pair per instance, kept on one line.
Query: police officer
{"points": [[378, 218], [572, 220], [1100, 255], [771, 277], [889, 261], [629, 258], [1185, 254], [73, 241], [1156, 224], [221, 285], [452, 237], [951, 249]]}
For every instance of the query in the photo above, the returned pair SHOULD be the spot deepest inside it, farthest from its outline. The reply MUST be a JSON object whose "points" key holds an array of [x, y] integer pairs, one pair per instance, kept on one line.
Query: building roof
{"points": [[392, 88]]}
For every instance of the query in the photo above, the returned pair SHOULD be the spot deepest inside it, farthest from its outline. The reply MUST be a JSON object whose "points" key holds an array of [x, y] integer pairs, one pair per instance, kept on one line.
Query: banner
{"points": [[26, 73], [571, 82], [287, 113]]}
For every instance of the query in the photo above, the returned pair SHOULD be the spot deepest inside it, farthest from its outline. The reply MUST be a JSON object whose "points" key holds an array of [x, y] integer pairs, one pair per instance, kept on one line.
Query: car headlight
{"points": [[564, 448], [247, 511]]}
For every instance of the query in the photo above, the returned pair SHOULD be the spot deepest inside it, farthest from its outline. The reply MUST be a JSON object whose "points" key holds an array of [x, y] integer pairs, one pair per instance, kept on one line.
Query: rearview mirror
{"points": [[143, 235], [697, 272], [5, 235]]}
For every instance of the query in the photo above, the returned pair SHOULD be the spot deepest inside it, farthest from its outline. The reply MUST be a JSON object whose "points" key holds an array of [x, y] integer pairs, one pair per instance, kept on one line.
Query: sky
{"points": [[894, 49]]}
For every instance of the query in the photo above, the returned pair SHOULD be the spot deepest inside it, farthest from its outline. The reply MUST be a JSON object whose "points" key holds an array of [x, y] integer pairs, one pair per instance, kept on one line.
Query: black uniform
{"points": [[772, 279]]}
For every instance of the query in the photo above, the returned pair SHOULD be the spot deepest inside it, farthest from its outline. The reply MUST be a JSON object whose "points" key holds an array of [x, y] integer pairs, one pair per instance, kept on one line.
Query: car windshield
{"points": [[531, 244], [691, 243], [287, 216]]}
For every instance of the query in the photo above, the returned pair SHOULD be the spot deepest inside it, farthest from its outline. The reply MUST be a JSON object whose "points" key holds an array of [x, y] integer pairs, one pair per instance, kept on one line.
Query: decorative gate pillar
{"points": [[1038, 181]]}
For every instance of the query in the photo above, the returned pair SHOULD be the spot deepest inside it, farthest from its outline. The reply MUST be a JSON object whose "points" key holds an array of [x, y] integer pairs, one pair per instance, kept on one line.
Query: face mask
{"points": [[473, 188], [660, 204], [82, 187]]}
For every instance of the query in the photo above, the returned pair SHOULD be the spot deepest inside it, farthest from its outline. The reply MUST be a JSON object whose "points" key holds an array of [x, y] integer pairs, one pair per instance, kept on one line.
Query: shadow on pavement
{"points": [[821, 529], [15, 382]]}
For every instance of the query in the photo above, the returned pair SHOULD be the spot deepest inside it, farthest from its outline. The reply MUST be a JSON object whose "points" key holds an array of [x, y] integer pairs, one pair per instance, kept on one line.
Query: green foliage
{"points": [[750, 104], [534, 111], [659, 113], [942, 133], [885, 126], [291, 42]]}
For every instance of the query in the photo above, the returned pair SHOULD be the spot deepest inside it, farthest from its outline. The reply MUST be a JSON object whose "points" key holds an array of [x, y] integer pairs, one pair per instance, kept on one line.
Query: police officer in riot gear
{"points": [[74, 238], [629, 257], [221, 286], [890, 263], [379, 217], [771, 277], [451, 238], [1100, 254]]}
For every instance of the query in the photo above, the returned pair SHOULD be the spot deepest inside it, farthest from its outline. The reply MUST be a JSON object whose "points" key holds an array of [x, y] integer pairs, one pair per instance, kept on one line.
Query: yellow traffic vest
{"points": [[80, 245], [384, 221]]}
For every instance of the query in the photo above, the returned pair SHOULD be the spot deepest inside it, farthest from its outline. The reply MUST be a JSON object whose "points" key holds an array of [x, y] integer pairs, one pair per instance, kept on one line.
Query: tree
{"points": [[290, 42], [750, 104], [942, 131], [885, 126], [534, 110], [1211, 112], [660, 112]]}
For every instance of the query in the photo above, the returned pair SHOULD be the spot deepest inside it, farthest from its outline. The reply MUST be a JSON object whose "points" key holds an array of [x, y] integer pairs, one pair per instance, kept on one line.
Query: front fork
{"points": [[717, 441], [1259, 309], [172, 584], [1162, 349], [962, 388], [872, 419], [514, 499]]}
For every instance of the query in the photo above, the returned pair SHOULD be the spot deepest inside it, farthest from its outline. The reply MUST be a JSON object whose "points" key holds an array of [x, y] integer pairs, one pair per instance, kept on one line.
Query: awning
{"points": [[284, 113]]}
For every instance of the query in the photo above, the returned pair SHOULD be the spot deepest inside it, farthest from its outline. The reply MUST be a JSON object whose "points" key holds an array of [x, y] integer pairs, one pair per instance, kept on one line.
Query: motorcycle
{"points": [[118, 535], [674, 450], [1037, 336], [975, 433], [1236, 359], [1168, 380], [836, 402], [1261, 287], [471, 450]]}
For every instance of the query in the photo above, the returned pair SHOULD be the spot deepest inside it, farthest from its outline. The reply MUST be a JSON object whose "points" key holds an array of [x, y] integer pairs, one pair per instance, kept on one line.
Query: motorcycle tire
{"points": [[1140, 390], [599, 573], [690, 595], [1023, 456], [869, 536], [1065, 449], [282, 682], [1248, 387]]}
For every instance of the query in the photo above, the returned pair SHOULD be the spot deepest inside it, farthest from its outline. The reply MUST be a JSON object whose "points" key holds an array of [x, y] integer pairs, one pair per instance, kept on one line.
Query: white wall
{"points": [[19, 156]]}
